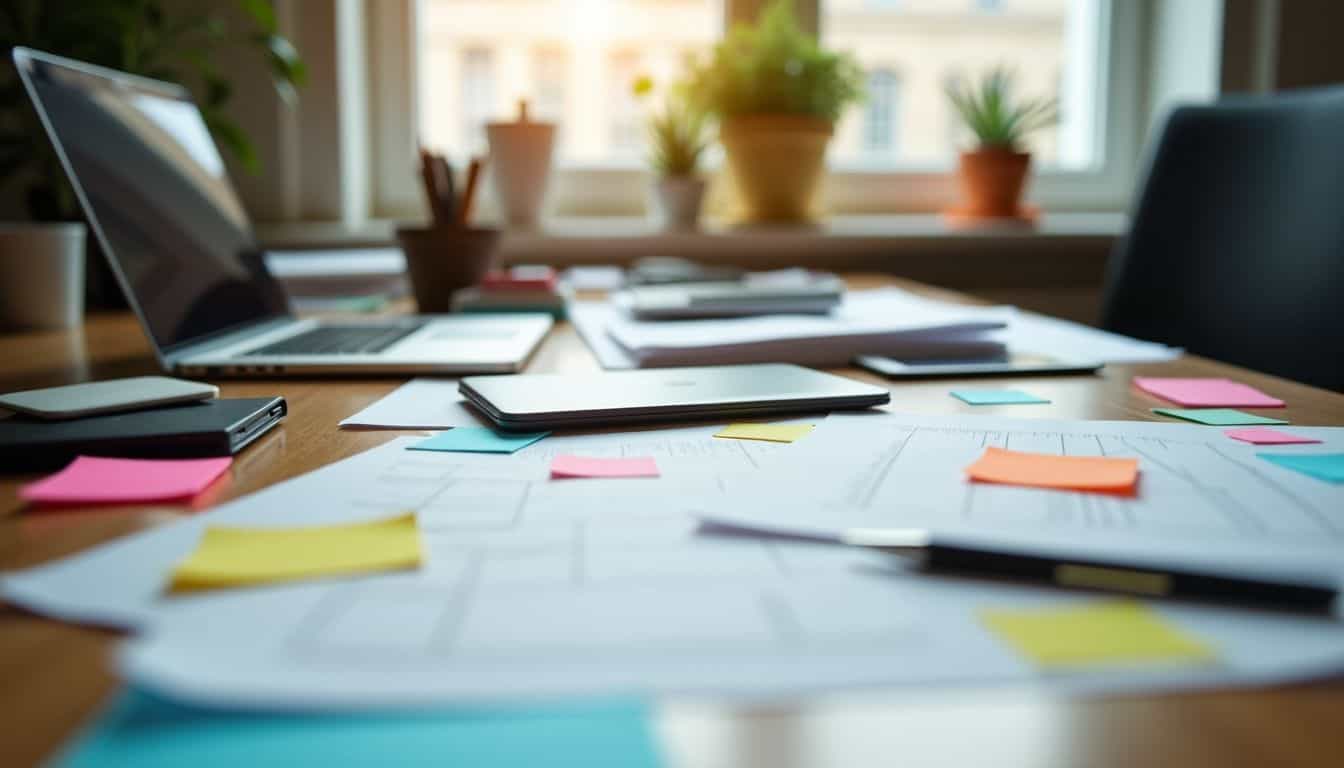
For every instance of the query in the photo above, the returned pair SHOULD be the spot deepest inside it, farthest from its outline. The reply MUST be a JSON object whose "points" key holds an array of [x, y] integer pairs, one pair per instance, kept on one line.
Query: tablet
{"points": [[557, 401], [1011, 364]]}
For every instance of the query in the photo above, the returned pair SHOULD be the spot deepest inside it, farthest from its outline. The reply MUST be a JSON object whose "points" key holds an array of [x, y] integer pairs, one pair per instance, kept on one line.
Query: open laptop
{"points": [[153, 186]]}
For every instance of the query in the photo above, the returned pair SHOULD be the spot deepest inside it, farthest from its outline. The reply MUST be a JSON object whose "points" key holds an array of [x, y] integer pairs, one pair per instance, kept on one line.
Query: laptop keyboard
{"points": [[339, 340]]}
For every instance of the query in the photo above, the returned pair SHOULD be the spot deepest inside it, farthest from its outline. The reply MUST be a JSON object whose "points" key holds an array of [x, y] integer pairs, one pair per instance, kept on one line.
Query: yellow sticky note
{"points": [[1115, 632], [775, 433], [232, 557]]}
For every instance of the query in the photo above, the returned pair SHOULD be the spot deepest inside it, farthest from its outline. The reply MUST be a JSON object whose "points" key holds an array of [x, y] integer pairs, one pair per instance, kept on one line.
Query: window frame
{"points": [[620, 188]]}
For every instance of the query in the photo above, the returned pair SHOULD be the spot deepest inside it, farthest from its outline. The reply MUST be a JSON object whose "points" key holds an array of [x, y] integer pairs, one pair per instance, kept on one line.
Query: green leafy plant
{"points": [[991, 111], [162, 39], [774, 67], [679, 133]]}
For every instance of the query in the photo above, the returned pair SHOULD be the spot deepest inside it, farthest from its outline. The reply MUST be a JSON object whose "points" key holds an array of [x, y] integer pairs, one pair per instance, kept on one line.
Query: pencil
{"points": [[469, 193], [443, 174], [430, 185]]}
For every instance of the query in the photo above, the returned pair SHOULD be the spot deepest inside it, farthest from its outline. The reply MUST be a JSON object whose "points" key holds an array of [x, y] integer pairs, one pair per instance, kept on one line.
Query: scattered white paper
{"points": [[590, 319], [539, 588], [595, 278], [1201, 497], [1040, 334], [419, 404], [462, 499]]}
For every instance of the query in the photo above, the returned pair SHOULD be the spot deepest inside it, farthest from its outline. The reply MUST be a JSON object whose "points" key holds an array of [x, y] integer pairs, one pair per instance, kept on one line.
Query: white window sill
{"points": [[620, 239]]}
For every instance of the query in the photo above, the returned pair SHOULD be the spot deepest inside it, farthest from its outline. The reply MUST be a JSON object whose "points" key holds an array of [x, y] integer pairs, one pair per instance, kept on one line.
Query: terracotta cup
{"points": [[443, 260]]}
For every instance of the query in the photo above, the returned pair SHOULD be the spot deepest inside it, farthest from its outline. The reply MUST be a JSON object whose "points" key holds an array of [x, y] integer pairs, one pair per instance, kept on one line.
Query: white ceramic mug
{"points": [[41, 275]]}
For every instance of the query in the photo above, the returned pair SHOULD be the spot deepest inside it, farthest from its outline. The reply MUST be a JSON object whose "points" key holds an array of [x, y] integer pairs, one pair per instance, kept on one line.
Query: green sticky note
{"points": [[1096, 634], [996, 397], [478, 440], [147, 731], [1217, 417], [1322, 466]]}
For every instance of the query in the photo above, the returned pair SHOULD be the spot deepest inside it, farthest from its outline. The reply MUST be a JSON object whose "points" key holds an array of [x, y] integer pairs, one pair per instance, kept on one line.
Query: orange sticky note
{"points": [[1044, 470]]}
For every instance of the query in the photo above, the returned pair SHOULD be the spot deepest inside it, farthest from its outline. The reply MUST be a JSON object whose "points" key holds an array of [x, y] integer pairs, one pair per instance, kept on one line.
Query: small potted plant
{"points": [[777, 95], [994, 174], [678, 136]]}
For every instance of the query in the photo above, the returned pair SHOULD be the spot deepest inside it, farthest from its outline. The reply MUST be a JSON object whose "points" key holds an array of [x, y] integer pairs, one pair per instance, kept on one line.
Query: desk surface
{"points": [[55, 675]]}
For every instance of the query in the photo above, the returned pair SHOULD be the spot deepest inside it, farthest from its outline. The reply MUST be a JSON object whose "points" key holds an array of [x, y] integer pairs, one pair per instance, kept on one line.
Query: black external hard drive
{"points": [[211, 428]]}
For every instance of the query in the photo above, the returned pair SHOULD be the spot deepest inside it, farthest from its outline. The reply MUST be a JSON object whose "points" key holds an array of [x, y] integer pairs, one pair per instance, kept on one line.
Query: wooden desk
{"points": [[53, 676]]}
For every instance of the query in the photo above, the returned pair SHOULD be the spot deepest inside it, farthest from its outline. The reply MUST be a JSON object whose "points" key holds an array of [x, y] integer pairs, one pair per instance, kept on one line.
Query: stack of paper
{"points": [[885, 322], [878, 322]]}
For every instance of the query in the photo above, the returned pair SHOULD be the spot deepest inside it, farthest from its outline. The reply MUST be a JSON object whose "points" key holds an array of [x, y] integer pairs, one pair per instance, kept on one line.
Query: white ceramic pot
{"points": [[520, 167], [677, 201], [41, 275]]}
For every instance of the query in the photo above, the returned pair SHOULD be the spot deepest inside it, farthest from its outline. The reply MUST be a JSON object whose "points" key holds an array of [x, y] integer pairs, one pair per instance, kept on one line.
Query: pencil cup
{"points": [[443, 260]]}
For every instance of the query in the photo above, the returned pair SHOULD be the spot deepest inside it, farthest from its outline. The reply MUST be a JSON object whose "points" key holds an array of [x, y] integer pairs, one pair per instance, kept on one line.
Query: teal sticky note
{"points": [[149, 732], [996, 397], [1322, 466], [1218, 417], [478, 440]]}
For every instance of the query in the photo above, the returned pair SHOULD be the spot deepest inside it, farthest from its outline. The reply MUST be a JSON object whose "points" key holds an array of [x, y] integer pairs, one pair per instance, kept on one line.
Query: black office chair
{"points": [[1236, 244]]}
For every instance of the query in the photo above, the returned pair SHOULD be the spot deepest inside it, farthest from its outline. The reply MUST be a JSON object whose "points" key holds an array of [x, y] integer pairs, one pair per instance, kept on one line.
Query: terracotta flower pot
{"points": [[992, 180], [776, 162]]}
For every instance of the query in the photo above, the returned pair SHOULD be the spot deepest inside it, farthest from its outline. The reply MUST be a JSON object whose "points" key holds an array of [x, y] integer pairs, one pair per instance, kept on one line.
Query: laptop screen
{"points": [[154, 183]]}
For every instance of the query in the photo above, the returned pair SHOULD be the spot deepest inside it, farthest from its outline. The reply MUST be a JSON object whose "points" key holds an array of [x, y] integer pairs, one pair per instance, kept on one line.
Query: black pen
{"points": [[935, 554]]}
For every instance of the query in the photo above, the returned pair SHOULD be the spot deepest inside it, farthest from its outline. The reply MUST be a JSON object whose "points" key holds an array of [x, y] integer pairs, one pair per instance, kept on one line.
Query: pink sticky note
{"points": [[1266, 436], [565, 466], [1207, 393], [91, 480]]}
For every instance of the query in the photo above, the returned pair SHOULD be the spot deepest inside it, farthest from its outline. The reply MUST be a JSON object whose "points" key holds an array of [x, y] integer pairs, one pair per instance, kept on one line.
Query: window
{"points": [[927, 40], [574, 61], [881, 113], [550, 82], [625, 121], [478, 95]]}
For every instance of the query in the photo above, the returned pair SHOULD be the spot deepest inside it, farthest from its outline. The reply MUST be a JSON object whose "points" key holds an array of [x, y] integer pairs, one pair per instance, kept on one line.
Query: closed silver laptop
{"points": [[560, 401], [153, 185]]}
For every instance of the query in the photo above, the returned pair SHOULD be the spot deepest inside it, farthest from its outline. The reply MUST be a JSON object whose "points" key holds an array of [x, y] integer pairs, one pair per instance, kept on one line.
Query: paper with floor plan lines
{"points": [[418, 404], [462, 499], [1195, 487], [535, 588]]}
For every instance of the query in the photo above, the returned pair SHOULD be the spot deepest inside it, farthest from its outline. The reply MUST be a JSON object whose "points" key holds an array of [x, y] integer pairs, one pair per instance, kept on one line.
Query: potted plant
{"points": [[678, 136], [154, 38], [994, 174], [777, 95]]}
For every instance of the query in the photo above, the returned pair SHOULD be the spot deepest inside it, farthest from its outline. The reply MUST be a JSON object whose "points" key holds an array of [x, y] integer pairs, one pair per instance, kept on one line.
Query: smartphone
{"points": [[99, 397], [1010, 364]]}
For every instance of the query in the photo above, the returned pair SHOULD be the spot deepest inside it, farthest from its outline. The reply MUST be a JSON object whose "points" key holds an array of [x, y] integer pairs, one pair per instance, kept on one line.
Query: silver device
{"points": [[153, 185], [575, 401]]}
